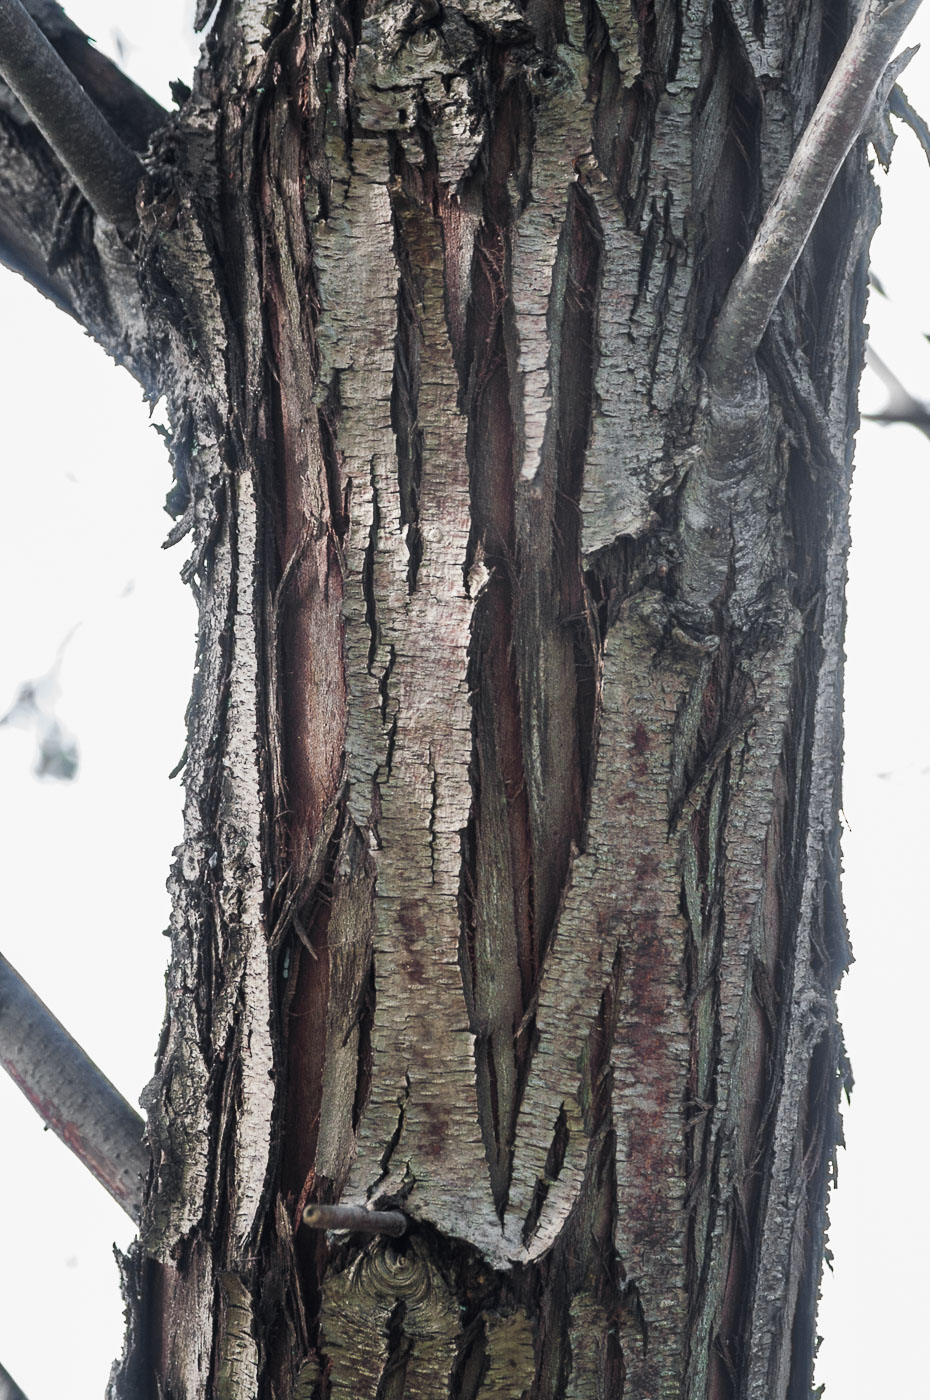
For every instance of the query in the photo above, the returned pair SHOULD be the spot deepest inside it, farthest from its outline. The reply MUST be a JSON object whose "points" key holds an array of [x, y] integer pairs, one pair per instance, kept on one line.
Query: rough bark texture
{"points": [[509, 890]]}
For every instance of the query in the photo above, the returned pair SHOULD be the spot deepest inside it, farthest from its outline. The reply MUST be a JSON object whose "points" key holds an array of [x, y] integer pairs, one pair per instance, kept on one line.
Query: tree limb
{"points": [[68, 1090], [9, 1390], [786, 226], [318, 1216], [102, 166], [129, 109]]}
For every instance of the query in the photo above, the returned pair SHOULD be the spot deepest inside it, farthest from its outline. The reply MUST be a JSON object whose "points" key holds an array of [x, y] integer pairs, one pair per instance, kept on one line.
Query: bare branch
{"points": [[367, 1222], [104, 169], [131, 111], [9, 1390], [837, 121], [68, 1090]]}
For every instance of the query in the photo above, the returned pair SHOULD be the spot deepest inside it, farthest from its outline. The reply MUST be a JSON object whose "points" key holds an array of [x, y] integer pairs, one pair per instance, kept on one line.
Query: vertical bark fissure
{"points": [[498, 872]]}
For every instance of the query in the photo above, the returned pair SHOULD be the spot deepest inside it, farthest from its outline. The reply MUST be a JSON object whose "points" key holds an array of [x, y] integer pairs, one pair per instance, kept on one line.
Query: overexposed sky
{"points": [[82, 900], [82, 894]]}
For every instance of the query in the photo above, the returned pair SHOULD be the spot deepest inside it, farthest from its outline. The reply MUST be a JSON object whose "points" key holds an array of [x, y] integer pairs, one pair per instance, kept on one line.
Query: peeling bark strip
{"points": [[508, 899]]}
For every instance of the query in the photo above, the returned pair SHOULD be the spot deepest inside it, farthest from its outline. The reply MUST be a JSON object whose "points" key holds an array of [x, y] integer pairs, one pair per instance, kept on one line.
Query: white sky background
{"points": [[82, 899]]}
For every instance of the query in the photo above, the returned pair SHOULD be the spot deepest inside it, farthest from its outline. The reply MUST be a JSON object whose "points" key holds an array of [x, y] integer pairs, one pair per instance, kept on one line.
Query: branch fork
{"points": [[723, 496], [860, 78]]}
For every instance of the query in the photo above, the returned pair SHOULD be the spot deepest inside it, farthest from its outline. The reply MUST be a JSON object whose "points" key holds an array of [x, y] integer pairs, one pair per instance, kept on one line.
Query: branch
{"points": [[103, 168], [838, 119], [129, 109], [9, 1390], [67, 1089], [365, 1222]]}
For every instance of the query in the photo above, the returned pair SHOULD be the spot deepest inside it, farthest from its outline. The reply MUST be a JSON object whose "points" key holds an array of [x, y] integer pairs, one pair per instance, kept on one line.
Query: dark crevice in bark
{"points": [[598, 1074], [729, 118], [554, 1161], [831, 951], [673, 249], [304, 1038], [615, 109], [719, 737], [408, 434], [807, 522], [573, 426], [366, 1016], [662, 52], [471, 1364], [635, 170], [368, 578], [550, 621], [338, 488], [395, 1137], [394, 1375], [618, 571], [579, 1298], [498, 883], [499, 931], [467, 911]]}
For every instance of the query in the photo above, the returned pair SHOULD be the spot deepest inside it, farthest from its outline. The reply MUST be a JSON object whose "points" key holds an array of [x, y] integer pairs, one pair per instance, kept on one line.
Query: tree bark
{"points": [[508, 898]]}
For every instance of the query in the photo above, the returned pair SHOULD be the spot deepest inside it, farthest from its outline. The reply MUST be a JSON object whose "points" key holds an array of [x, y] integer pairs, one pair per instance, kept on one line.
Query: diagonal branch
{"points": [[103, 168], [9, 1390], [131, 111], [68, 1090], [840, 114]]}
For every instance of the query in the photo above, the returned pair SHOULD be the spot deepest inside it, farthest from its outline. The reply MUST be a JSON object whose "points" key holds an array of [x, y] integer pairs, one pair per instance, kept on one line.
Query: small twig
{"points": [[104, 169], [9, 1390], [786, 226], [364, 1222], [67, 1089]]}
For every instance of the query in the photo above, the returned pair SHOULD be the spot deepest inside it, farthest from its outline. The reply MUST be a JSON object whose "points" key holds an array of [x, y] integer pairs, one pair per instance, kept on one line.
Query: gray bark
{"points": [[508, 897]]}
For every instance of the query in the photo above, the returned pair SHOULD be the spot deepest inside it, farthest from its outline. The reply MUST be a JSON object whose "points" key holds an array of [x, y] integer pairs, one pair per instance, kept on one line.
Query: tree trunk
{"points": [[509, 891]]}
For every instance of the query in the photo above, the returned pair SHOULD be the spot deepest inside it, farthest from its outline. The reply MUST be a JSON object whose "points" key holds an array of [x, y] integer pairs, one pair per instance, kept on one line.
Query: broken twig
{"points": [[364, 1222]]}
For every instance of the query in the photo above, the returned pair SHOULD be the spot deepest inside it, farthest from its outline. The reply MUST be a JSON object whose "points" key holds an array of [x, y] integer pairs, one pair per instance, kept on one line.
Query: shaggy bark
{"points": [[508, 897]]}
